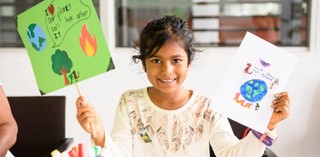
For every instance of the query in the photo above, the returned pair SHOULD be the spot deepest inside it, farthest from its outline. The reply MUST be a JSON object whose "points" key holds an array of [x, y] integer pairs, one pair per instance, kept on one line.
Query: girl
{"points": [[166, 119]]}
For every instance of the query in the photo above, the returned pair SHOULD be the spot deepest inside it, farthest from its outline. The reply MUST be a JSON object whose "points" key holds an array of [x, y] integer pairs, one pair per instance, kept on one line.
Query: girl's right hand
{"points": [[87, 114]]}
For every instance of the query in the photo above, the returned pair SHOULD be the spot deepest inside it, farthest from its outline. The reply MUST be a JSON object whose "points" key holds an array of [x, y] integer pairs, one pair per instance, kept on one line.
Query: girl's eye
{"points": [[155, 61], [176, 61]]}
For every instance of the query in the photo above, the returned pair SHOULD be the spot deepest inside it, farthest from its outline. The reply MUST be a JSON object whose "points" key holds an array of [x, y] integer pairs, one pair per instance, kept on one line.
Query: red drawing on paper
{"points": [[241, 102], [87, 42], [246, 70], [51, 9]]}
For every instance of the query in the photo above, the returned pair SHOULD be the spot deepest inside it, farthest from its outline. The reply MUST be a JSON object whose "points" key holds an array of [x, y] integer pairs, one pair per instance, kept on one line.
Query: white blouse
{"points": [[143, 129]]}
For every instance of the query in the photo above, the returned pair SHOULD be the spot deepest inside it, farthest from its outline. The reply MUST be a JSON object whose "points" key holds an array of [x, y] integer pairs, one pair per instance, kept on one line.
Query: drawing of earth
{"points": [[253, 90], [37, 37]]}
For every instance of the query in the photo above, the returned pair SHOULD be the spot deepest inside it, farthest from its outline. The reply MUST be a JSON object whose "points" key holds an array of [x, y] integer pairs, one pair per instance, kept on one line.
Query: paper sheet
{"points": [[65, 43], [258, 71]]}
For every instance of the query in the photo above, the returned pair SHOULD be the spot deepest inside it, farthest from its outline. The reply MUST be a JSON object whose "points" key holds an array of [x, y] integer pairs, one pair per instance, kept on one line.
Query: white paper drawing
{"points": [[258, 71]]}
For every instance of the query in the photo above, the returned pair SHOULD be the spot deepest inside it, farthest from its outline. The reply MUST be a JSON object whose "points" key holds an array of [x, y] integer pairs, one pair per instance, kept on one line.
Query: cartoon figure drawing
{"points": [[274, 83], [257, 107], [74, 76]]}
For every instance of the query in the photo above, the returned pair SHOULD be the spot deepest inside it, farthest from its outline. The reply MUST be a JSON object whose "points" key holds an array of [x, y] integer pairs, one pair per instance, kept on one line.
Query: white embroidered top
{"points": [[143, 129]]}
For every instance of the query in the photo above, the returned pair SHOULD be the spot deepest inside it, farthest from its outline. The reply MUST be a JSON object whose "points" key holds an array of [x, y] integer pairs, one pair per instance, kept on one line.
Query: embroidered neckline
{"points": [[164, 111]]}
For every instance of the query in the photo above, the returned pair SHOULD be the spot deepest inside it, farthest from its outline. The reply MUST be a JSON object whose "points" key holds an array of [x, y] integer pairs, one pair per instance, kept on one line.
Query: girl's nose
{"points": [[166, 68]]}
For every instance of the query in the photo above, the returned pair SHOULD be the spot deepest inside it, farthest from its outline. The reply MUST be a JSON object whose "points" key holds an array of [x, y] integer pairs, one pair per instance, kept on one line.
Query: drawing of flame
{"points": [[87, 42]]}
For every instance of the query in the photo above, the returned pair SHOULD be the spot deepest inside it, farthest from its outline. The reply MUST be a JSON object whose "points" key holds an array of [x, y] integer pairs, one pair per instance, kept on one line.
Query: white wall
{"points": [[298, 135]]}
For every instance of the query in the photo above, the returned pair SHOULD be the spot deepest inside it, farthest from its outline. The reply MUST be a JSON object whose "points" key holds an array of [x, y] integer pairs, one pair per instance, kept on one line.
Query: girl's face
{"points": [[168, 68]]}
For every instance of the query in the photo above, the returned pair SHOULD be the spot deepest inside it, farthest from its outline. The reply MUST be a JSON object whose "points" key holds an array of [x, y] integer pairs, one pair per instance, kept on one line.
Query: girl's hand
{"points": [[87, 114], [281, 106]]}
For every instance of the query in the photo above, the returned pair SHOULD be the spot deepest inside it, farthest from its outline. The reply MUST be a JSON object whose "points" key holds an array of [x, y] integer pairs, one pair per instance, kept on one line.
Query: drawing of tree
{"points": [[61, 64]]}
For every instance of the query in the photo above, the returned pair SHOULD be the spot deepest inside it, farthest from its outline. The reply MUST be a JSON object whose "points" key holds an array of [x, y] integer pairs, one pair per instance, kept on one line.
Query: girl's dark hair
{"points": [[157, 32]]}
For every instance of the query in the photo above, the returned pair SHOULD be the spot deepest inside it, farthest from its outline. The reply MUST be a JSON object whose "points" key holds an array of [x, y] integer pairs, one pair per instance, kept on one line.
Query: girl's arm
{"points": [[225, 143], [86, 116], [8, 125], [120, 142]]}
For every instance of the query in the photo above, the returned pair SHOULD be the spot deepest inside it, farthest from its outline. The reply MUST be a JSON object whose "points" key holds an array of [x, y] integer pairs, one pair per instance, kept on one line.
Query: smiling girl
{"points": [[167, 119]]}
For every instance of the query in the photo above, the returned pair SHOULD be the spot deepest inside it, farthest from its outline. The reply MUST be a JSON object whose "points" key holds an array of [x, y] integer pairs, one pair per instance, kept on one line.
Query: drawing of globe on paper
{"points": [[37, 37], [253, 90]]}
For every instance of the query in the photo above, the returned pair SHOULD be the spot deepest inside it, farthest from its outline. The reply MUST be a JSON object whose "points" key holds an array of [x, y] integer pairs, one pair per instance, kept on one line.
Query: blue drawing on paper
{"points": [[37, 37], [254, 90]]}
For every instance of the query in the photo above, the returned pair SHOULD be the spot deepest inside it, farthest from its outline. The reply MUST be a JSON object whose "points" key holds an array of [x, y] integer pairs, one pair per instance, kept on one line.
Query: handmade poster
{"points": [[65, 43], [258, 71]]}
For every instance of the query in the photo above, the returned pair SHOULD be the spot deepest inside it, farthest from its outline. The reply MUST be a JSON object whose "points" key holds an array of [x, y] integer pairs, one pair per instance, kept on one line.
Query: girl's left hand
{"points": [[281, 106]]}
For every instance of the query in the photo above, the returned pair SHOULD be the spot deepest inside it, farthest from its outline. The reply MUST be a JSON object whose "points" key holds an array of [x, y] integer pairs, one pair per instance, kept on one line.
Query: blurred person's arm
{"points": [[8, 125]]}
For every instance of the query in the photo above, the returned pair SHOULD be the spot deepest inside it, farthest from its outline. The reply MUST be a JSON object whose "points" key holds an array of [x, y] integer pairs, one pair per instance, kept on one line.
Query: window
{"points": [[9, 36], [215, 23], [219, 22]]}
